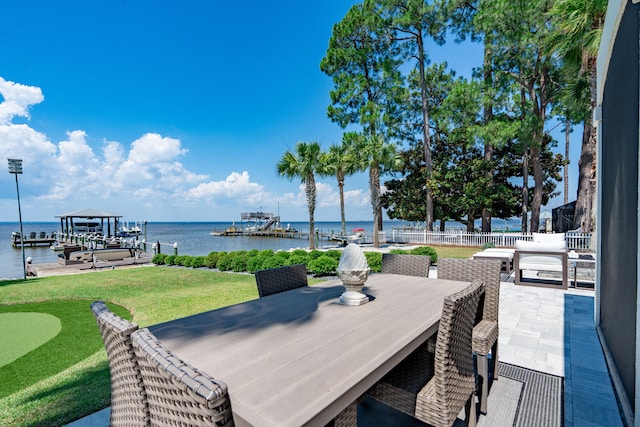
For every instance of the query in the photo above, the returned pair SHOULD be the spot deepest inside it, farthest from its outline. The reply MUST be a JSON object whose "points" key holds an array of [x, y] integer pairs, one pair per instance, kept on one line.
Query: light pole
{"points": [[15, 167]]}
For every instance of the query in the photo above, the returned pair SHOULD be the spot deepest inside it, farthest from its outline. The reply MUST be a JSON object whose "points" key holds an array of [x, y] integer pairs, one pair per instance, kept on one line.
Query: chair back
{"points": [[276, 280], [453, 365], [410, 265], [128, 399], [467, 270], [179, 394]]}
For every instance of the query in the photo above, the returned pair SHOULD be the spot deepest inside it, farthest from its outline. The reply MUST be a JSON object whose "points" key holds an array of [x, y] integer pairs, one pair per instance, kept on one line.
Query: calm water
{"points": [[193, 238]]}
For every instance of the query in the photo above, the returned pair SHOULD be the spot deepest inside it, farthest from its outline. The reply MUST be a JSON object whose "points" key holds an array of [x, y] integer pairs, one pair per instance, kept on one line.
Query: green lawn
{"points": [[67, 377]]}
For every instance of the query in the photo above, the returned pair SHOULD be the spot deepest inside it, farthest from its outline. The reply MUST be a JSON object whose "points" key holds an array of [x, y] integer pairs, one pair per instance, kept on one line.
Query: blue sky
{"points": [[172, 111]]}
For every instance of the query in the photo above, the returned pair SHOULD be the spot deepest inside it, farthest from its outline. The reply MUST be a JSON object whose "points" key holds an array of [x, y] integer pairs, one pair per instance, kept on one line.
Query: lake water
{"points": [[193, 238]]}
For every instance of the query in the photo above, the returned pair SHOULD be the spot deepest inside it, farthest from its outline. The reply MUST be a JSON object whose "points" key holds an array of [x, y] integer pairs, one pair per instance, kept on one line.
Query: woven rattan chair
{"points": [[411, 265], [485, 333], [179, 394], [129, 405], [435, 387], [276, 280]]}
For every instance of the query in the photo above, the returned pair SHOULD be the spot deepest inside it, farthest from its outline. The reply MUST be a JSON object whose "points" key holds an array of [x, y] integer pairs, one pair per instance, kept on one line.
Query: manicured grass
{"points": [[21, 333], [70, 373], [151, 294]]}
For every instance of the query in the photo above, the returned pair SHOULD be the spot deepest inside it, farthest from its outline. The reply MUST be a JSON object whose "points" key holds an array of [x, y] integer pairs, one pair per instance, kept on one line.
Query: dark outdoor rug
{"points": [[520, 398], [541, 398]]}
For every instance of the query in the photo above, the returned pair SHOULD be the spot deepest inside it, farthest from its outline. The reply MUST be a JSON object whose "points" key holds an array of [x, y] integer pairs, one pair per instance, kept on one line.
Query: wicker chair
{"points": [[179, 394], [485, 333], [435, 387], [129, 405], [276, 280], [411, 265]]}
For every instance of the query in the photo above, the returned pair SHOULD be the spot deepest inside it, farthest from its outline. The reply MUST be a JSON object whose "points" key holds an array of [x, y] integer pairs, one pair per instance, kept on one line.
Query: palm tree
{"points": [[304, 163], [578, 27], [341, 162], [379, 157]]}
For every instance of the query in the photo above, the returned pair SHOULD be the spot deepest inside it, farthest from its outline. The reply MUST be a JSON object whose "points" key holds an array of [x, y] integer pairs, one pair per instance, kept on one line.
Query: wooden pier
{"points": [[34, 239]]}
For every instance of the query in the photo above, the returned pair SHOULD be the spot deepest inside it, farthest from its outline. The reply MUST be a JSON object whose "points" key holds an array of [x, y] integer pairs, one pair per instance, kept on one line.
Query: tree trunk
{"points": [[310, 188], [567, 132], [582, 214], [342, 217], [538, 179], [374, 189], [525, 190], [586, 200], [425, 132], [488, 117]]}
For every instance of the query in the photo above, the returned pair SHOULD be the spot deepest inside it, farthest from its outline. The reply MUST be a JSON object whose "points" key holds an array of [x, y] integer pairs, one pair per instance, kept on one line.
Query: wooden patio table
{"points": [[300, 357]]}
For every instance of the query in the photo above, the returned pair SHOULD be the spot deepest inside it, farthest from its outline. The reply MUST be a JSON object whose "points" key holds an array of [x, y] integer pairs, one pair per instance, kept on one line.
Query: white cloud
{"points": [[143, 178], [237, 188], [17, 100]]}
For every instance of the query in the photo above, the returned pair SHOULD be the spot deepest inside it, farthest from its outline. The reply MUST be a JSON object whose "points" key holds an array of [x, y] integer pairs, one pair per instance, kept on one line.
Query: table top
{"points": [[300, 357]]}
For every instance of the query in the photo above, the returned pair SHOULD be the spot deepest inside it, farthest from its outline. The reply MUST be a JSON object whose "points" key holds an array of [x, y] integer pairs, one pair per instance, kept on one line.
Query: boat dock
{"points": [[34, 239]]}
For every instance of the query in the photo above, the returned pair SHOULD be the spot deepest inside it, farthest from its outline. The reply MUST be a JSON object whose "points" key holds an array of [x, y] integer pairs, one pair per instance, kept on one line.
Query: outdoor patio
{"points": [[547, 330]]}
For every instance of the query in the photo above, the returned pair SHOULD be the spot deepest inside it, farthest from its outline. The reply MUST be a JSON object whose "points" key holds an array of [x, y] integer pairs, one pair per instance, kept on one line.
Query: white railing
{"points": [[575, 241]]}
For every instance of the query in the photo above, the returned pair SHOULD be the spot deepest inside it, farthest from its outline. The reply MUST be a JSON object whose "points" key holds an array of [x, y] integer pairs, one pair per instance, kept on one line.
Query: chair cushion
{"points": [[553, 246]]}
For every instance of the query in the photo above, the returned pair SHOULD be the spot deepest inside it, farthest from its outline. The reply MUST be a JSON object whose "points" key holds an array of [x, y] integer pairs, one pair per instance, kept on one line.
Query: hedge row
{"points": [[319, 263]]}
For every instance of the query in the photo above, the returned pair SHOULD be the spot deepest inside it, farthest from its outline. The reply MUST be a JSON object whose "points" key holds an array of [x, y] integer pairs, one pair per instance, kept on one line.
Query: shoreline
{"points": [[55, 269]]}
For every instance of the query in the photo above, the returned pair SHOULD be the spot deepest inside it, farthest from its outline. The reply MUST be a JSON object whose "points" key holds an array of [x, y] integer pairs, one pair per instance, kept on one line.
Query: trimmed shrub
{"points": [[211, 260], [398, 251], [170, 260], [315, 254], [283, 254], [299, 252], [428, 251], [323, 266], [183, 260], [254, 263], [197, 261], [488, 245], [239, 263], [374, 259], [334, 253], [225, 262], [159, 259], [298, 259], [272, 262], [267, 253], [252, 253]]}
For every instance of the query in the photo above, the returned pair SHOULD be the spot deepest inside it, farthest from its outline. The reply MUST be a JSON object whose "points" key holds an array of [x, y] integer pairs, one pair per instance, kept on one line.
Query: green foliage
{"points": [[267, 253], [298, 259], [253, 253], [225, 262], [211, 260], [488, 245], [398, 251], [239, 263], [197, 261], [183, 260], [273, 262], [315, 254], [427, 251], [283, 254], [170, 260], [334, 253], [323, 266], [299, 252], [254, 263], [374, 259], [159, 259]]}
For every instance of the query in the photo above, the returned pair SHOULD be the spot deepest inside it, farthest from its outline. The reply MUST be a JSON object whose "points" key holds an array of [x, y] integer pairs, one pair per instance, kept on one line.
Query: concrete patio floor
{"points": [[549, 330]]}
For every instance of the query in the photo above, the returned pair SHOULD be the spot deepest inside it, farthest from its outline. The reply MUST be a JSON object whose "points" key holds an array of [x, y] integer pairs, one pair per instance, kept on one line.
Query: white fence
{"points": [[575, 241]]}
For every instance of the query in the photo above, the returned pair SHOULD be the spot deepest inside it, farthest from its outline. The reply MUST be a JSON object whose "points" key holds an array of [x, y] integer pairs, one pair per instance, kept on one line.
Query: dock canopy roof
{"points": [[89, 213]]}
